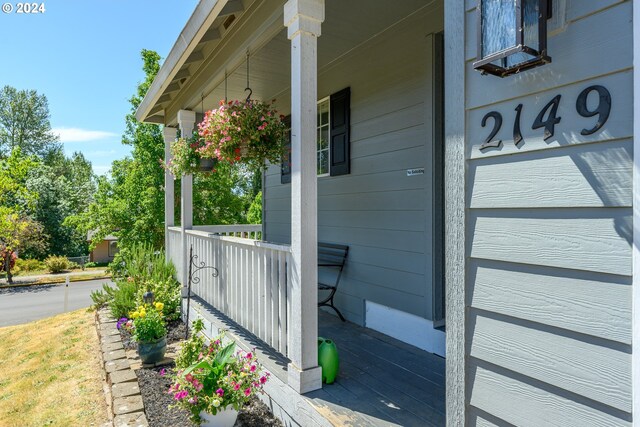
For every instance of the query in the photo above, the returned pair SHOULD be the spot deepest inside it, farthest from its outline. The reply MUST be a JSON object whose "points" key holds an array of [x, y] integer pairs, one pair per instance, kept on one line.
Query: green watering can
{"points": [[328, 359]]}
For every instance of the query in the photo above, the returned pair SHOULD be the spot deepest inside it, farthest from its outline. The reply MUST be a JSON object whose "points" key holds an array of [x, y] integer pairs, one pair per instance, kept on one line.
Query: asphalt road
{"points": [[27, 303]]}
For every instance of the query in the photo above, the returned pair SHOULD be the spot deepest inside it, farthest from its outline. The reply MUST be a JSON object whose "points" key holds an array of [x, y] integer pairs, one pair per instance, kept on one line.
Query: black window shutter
{"points": [[340, 110], [285, 167]]}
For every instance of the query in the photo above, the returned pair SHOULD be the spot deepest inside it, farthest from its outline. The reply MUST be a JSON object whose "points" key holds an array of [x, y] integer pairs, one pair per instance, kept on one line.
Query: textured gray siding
{"points": [[549, 229], [383, 215]]}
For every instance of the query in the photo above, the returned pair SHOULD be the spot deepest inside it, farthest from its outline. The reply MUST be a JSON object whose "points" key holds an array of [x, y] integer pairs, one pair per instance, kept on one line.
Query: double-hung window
{"points": [[332, 137]]}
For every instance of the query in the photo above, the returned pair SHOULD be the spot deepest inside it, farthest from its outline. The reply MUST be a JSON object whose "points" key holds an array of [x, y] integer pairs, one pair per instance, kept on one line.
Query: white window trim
{"points": [[328, 100]]}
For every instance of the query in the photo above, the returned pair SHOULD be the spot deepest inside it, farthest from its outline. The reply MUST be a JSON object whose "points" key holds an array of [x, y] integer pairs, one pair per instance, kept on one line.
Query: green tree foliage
{"points": [[24, 123], [130, 202], [66, 188]]}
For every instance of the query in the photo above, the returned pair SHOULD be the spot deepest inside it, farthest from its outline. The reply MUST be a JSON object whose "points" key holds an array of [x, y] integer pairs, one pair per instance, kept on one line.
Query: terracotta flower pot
{"points": [[225, 418], [152, 352]]}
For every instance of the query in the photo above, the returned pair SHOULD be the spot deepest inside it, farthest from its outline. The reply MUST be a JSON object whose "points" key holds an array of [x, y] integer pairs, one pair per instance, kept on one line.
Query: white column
{"points": [[303, 19], [169, 135], [186, 121]]}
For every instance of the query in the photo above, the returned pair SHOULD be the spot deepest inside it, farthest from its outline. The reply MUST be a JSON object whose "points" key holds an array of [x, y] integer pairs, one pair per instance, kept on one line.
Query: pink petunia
{"points": [[247, 391], [220, 392], [162, 372], [263, 380], [249, 356]]}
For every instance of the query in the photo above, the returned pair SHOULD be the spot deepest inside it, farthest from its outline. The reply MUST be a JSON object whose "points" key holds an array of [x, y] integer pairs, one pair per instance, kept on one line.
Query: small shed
{"points": [[104, 251]]}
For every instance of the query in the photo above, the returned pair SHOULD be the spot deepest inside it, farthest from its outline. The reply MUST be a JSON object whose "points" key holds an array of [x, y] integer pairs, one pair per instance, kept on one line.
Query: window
{"points": [[332, 138], [113, 248], [322, 138]]}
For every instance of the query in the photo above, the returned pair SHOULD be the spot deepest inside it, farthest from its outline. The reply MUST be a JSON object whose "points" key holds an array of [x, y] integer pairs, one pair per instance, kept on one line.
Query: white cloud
{"points": [[82, 135], [101, 169]]}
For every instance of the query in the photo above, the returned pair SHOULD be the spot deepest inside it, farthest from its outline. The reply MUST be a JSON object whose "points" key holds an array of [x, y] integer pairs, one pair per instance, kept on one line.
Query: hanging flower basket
{"points": [[186, 159], [249, 132], [207, 164]]}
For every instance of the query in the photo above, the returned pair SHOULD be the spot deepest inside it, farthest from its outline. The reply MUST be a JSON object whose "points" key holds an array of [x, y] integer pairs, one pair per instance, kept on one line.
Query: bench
{"points": [[333, 256]]}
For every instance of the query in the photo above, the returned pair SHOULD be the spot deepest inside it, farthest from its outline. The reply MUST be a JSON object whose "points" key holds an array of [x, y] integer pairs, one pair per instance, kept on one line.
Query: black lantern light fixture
{"points": [[148, 297], [512, 35]]}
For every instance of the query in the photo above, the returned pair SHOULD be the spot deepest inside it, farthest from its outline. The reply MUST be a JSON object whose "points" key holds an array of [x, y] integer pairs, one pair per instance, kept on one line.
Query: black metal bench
{"points": [[331, 255]]}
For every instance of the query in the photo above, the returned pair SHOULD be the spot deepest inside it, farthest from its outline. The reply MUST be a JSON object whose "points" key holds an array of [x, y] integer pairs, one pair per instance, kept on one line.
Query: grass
{"points": [[23, 273], [50, 373]]}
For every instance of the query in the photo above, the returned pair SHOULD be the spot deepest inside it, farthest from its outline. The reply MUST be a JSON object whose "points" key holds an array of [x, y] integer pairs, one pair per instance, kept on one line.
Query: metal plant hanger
{"points": [[248, 88], [194, 268]]}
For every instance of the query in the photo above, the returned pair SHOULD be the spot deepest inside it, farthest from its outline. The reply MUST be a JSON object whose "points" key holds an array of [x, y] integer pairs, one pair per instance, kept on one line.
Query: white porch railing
{"points": [[247, 231], [252, 287], [174, 250]]}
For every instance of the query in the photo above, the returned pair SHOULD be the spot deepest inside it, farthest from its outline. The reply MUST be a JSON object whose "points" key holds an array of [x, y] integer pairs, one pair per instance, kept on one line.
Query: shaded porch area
{"points": [[382, 381]]}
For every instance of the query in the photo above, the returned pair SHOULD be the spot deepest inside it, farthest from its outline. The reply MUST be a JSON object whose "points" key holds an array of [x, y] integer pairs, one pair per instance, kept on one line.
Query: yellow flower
{"points": [[159, 306], [143, 313], [135, 315]]}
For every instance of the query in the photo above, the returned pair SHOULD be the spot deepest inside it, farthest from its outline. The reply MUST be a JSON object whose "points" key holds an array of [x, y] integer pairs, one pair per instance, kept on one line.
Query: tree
{"points": [[17, 232], [66, 188], [24, 123]]}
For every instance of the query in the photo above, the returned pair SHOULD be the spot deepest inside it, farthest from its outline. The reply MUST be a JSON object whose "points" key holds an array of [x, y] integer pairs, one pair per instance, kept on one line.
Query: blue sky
{"points": [[84, 55]]}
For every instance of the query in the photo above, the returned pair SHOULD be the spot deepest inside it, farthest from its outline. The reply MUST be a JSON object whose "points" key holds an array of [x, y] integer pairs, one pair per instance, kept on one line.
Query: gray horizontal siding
{"points": [[596, 175], [522, 402], [584, 302], [587, 368], [549, 231]]}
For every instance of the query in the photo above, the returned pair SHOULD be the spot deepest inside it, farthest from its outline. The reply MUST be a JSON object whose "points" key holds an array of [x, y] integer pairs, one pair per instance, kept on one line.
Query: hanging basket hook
{"points": [[250, 93]]}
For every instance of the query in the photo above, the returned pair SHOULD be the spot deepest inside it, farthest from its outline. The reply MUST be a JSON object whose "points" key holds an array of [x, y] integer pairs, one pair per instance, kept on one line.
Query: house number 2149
{"points": [[550, 111]]}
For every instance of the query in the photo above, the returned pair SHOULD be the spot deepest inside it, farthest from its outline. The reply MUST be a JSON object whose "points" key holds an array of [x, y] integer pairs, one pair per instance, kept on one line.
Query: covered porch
{"points": [[382, 381], [266, 293]]}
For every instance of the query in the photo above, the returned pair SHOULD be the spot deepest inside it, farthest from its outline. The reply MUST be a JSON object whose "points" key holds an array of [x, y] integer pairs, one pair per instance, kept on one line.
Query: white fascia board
{"points": [[199, 22]]}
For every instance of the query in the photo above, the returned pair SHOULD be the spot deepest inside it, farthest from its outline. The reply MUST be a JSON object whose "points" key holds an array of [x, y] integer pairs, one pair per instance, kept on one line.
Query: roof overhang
{"points": [[173, 72]]}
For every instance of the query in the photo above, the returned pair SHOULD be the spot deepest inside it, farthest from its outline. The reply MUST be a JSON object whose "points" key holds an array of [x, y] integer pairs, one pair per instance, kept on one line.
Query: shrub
{"points": [[191, 348], [29, 264], [90, 264], [103, 296], [148, 270], [143, 263], [166, 292], [124, 298], [56, 264]]}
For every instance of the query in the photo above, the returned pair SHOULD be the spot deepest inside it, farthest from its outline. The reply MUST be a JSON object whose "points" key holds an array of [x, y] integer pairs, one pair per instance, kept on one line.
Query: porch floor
{"points": [[382, 381]]}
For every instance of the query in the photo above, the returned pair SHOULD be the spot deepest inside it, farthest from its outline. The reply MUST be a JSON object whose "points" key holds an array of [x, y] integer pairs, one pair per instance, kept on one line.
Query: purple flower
{"points": [[120, 322], [220, 392], [162, 372]]}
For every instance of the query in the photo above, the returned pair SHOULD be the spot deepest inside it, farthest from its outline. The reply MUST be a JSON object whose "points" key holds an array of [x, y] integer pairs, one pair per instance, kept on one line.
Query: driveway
{"points": [[27, 303]]}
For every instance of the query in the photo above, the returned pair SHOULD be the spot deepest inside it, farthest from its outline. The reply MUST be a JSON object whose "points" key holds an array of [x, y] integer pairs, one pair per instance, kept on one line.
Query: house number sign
{"points": [[548, 117]]}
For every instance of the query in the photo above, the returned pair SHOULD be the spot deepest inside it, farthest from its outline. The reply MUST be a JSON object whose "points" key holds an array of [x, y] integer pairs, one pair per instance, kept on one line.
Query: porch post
{"points": [[186, 121], [169, 135], [303, 19]]}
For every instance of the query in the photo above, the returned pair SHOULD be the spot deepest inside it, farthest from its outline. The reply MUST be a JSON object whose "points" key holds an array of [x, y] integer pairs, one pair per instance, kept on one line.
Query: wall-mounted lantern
{"points": [[512, 35]]}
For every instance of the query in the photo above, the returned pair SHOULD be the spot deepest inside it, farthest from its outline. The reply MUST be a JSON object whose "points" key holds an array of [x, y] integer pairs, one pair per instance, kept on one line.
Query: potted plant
{"points": [[149, 330], [250, 132], [217, 382], [186, 158]]}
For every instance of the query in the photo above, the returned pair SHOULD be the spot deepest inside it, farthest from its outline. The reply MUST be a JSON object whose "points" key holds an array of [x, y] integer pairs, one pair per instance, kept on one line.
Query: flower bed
{"points": [[155, 382]]}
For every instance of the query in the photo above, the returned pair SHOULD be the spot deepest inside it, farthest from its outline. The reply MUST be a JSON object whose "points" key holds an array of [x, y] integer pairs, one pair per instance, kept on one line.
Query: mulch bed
{"points": [[154, 387]]}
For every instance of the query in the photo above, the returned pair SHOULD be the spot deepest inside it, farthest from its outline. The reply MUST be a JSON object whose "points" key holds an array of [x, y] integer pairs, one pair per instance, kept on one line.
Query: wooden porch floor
{"points": [[382, 381]]}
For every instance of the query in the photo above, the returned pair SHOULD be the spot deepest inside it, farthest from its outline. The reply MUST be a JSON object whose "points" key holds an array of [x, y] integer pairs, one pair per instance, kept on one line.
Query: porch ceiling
{"points": [[196, 81]]}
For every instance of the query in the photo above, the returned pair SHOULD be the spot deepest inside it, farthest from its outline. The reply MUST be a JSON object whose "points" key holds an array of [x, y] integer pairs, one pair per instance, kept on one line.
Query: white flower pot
{"points": [[224, 418]]}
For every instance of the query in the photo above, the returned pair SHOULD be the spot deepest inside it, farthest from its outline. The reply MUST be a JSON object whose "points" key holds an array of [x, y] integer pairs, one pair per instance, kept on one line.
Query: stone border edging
{"points": [[122, 392]]}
